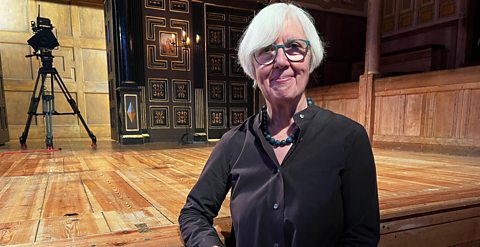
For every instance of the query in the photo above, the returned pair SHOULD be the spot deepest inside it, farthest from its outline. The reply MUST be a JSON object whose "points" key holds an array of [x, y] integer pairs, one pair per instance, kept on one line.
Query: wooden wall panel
{"points": [[444, 114], [97, 108], [413, 114], [89, 27], [80, 61], [434, 108], [14, 17], [15, 66], [94, 65], [60, 13], [473, 116]]}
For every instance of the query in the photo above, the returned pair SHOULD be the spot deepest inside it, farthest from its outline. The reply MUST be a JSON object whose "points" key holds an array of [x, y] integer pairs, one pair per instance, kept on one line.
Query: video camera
{"points": [[43, 41]]}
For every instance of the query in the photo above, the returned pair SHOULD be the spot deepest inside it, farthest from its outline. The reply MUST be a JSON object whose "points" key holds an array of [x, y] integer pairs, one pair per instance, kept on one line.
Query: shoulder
{"points": [[336, 121], [233, 140]]}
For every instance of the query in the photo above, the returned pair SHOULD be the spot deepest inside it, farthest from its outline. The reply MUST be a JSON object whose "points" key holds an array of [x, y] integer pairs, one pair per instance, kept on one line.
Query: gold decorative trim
{"points": [[188, 90], [232, 93], [184, 64], [238, 19], [153, 2], [216, 16], [222, 110], [150, 89], [189, 110], [151, 24], [224, 93], [183, 25], [152, 117], [210, 38], [233, 116], [135, 113], [181, 4], [152, 61]]}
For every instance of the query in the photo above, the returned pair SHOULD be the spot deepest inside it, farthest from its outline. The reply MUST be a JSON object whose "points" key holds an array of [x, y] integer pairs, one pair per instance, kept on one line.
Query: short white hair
{"points": [[265, 28]]}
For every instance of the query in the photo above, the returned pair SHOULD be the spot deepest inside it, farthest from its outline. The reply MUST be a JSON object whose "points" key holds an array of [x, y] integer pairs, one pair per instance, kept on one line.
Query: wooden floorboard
{"points": [[127, 195]]}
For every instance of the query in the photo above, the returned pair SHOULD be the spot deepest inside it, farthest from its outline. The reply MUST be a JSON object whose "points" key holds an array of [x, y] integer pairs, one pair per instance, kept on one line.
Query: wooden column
{"points": [[366, 89]]}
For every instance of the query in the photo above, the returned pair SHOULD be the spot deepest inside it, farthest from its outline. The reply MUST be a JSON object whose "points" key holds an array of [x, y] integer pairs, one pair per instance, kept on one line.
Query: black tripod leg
{"points": [[75, 109], [32, 109]]}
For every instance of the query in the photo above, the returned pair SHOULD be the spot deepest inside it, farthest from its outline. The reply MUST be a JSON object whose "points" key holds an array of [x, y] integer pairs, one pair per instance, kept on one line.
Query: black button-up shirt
{"points": [[323, 194]]}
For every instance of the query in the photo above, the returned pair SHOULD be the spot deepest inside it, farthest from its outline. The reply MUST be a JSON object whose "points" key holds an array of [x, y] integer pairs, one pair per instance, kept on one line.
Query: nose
{"points": [[281, 59]]}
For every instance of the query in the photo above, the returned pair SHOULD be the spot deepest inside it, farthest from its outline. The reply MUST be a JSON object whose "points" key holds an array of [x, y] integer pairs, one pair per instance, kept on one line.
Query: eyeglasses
{"points": [[295, 50]]}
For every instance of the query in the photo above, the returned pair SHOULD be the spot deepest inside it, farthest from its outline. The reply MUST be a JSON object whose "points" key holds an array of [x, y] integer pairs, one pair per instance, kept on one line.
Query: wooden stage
{"points": [[131, 195]]}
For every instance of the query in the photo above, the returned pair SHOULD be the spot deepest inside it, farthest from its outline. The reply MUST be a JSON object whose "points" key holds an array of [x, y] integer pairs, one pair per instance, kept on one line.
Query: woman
{"points": [[300, 175]]}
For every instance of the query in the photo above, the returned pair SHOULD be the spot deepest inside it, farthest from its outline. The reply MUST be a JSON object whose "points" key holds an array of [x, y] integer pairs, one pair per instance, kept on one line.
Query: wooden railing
{"points": [[438, 109]]}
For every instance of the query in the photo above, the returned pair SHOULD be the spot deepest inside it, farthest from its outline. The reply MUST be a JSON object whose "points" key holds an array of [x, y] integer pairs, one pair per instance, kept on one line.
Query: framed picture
{"points": [[166, 44]]}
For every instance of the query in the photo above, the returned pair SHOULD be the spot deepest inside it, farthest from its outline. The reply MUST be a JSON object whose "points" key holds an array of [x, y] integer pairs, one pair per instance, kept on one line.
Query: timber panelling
{"points": [[433, 108], [80, 61]]}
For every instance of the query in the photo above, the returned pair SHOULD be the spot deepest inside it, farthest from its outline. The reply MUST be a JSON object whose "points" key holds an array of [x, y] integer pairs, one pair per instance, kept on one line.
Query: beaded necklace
{"points": [[274, 142]]}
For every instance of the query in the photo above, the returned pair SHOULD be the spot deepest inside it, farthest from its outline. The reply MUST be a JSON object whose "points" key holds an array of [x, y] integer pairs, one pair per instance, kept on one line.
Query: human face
{"points": [[283, 81]]}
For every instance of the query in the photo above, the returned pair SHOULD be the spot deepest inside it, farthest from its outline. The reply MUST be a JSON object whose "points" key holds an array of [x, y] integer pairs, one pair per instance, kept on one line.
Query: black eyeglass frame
{"points": [[284, 52]]}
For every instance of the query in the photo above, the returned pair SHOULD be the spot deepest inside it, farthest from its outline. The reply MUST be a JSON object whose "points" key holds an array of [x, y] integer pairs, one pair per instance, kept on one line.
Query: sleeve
{"points": [[360, 195], [205, 199]]}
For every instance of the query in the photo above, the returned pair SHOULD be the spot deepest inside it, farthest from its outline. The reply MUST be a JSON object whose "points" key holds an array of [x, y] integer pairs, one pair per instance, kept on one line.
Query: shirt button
{"points": [[276, 170], [275, 206], [302, 116]]}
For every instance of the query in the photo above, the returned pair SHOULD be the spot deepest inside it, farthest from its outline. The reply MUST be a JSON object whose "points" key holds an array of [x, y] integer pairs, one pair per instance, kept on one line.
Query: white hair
{"points": [[265, 28]]}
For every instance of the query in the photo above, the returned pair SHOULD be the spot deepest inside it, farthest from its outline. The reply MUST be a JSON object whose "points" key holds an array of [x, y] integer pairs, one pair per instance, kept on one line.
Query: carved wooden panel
{"points": [[64, 62], [182, 117], [159, 117]]}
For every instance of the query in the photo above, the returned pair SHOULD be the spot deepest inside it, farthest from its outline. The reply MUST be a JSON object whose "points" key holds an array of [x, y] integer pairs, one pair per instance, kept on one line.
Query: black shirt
{"points": [[323, 194]]}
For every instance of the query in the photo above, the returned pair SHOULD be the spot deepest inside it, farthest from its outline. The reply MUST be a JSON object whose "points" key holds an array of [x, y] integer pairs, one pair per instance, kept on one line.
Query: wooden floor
{"points": [[127, 195]]}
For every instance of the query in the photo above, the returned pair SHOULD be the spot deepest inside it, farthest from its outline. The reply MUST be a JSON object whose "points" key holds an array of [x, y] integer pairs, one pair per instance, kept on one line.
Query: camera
{"points": [[43, 39]]}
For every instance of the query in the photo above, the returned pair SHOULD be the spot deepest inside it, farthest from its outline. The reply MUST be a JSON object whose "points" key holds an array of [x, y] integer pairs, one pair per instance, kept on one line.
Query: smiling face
{"points": [[283, 81]]}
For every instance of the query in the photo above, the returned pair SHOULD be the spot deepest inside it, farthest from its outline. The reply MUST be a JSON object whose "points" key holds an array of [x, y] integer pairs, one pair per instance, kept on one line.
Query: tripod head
{"points": [[45, 56]]}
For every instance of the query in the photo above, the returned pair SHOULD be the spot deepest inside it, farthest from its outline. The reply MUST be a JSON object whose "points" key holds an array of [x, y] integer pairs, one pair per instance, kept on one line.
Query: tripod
{"points": [[48, 101]]}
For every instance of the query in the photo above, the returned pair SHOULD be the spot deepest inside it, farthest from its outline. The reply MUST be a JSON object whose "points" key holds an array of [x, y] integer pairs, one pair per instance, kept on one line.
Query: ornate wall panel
{"points": [[169, 70], [80, 61], [229, 100]]}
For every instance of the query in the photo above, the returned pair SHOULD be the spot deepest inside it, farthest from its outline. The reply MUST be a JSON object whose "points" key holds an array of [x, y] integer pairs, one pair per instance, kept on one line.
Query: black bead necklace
{"points": [[274, 142]]}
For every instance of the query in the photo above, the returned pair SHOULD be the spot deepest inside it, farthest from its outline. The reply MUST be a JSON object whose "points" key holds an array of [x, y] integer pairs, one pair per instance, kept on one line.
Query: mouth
{"points": [[281, 79]]}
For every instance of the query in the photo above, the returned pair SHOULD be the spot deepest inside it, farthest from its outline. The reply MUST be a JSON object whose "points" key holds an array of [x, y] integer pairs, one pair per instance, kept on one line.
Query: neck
{"points": [[281, 115]]}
